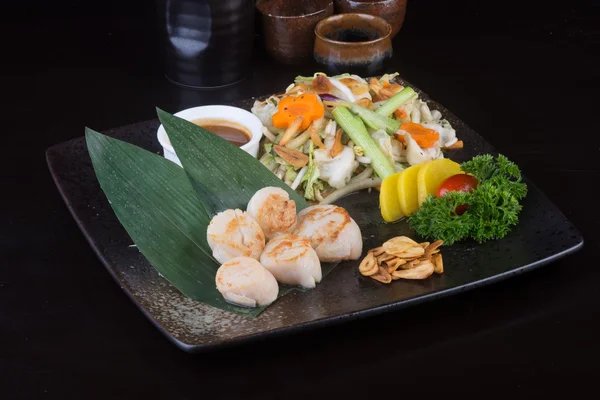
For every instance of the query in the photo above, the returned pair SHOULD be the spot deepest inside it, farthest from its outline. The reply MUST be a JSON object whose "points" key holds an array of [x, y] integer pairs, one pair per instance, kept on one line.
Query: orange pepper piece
{"points": [[307, 105], [400, 114], [424, 137], [337, 145]]}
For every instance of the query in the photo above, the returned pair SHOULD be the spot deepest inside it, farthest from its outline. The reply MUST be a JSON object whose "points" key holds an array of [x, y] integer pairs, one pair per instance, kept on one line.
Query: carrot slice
{"points": [[424, 137], [400, 114], [337, 145], [457, 145], [423, 143], [307, 105]]}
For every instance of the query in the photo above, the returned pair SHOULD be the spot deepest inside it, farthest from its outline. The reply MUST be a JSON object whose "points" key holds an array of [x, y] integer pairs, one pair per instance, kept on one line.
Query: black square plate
{"points": [[543, 235]]}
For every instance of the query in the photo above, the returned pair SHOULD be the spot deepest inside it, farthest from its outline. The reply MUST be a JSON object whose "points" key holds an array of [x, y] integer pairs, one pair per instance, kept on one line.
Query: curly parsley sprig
{"points": [[493, 207]]}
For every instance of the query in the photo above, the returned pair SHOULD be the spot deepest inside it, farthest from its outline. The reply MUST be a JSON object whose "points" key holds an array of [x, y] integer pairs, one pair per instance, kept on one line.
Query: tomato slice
{"points": [[458, 183]]}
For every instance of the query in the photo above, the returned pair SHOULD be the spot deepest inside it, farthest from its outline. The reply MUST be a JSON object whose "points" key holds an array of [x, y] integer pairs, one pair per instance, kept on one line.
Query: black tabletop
{"points": [[522, 74]]}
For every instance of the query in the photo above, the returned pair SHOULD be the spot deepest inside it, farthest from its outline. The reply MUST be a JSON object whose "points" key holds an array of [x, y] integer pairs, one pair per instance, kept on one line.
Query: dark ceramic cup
{"points": [[354, 43], [288, 27], [208, 43], [393, 11]]}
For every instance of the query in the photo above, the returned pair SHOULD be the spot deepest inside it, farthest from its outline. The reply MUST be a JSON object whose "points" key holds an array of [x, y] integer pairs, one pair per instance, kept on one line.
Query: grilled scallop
{"points": [[272, 208], [233, 233], [245, 282], [332, 233], [292, 261]]}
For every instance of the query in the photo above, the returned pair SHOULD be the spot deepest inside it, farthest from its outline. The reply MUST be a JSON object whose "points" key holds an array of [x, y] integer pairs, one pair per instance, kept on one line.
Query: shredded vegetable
{"points": [[354, 127], [396, 101], [339, 134], [374, 120], [351, 188], [298, 178], [299, 140]]}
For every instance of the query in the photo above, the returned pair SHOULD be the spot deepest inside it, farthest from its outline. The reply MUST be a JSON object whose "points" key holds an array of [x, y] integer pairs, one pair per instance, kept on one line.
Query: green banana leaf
{"points": [[166, 212], [161, 213], [223, 175]]}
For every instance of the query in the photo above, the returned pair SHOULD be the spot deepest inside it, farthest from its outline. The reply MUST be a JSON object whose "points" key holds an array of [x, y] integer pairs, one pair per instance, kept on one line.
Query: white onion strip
{"points": [[351, 188], [299, 177], [363, 175], [268, 134], [344, 89]]}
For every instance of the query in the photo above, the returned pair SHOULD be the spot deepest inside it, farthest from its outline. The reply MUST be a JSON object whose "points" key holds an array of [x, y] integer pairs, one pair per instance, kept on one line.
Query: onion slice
{"points": [[351, 187]]}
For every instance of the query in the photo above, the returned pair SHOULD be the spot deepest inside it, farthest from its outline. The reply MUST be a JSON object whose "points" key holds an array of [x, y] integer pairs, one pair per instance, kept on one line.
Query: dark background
{"points": [[522, 74]]}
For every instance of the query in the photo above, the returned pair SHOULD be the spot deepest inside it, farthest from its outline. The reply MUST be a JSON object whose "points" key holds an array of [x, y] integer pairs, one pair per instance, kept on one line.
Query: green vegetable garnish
{"points": [[290, 173], [311, 178], [356, 130], [396, 101], [374, 120], [493, 207], [502, 171], [494, 210]]}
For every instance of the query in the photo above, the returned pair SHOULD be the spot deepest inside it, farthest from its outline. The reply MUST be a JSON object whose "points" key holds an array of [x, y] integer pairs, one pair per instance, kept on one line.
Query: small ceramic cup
{"points": [[288, 27], [393, 11], [228, 113], [207, 43], [354, 43]]}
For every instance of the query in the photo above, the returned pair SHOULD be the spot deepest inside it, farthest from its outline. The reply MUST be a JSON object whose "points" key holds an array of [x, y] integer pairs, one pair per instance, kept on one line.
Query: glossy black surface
{"points": [[207, 43], [524, 75], [543, 235]]}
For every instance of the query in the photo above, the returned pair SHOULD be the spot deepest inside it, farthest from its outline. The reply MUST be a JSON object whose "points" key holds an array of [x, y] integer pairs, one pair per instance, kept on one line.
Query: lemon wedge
{"points": [[432, 174], [388, 199], [408, 189]]}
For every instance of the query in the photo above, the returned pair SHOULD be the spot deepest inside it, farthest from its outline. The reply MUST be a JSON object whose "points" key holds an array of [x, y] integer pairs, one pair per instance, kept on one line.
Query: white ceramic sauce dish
{"points": [[227, 113]]}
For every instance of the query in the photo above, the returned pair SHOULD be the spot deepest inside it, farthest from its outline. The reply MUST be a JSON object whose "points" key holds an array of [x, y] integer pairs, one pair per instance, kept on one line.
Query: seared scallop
{"points": [[245, 282], [272, 208], [234, 233], [332, 233], [292, 261]]}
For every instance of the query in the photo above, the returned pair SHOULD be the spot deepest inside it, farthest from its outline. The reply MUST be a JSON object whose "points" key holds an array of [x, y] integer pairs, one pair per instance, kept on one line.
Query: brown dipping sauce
{"points": [[228, 130]]}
